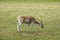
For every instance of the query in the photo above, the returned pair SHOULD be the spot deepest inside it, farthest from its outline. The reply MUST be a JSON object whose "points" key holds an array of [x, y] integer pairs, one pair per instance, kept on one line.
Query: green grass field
{"points": [[29, 0], [48, 12]]}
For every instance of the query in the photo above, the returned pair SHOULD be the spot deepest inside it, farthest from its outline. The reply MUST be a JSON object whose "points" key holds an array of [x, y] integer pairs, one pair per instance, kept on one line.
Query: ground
{"points": [[48, 12]]}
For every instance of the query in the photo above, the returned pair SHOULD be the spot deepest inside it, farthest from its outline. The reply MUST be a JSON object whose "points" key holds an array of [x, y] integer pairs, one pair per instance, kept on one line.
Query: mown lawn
{"points": [[49, 13]]}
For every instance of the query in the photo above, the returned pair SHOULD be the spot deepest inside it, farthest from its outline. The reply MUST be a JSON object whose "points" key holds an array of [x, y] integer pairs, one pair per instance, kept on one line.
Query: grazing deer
{"points": [[28, 20]]}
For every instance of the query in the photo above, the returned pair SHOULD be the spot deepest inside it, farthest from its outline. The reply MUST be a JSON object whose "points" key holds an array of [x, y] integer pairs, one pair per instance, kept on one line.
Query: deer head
{"points": [[41, 24]]}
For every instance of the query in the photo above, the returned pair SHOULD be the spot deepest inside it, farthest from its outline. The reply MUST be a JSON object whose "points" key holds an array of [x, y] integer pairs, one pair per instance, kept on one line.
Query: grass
{"points": [[49, 13], [29, 0]]}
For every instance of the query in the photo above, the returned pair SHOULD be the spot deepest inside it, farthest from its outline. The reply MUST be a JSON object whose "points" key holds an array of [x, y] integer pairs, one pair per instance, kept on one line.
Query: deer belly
{"points": [[26, 21]]}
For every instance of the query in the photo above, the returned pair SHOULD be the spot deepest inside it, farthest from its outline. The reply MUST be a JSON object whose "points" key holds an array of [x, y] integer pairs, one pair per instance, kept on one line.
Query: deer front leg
{"points": [[34, 26]]}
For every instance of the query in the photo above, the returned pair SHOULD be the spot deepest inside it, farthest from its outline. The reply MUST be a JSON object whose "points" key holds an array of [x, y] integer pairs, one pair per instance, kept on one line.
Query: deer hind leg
{"points": [[18, 24]]}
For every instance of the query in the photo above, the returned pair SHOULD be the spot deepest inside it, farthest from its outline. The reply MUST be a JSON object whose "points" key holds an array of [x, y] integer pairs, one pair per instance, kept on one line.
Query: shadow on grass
{"points": [[36, 32], [30, 32]]}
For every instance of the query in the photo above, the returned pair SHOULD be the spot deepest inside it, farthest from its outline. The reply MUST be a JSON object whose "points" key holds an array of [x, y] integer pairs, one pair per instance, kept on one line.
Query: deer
{"points": [[27, 20]]}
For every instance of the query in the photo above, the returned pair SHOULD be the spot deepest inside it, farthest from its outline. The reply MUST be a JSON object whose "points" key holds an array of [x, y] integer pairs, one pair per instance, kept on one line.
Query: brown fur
{"points": [[28, 19]]}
